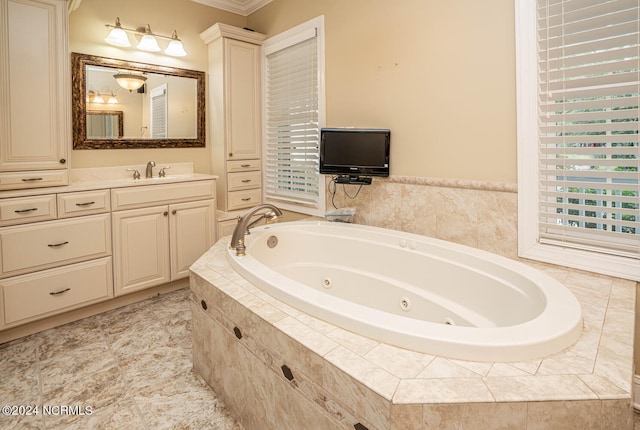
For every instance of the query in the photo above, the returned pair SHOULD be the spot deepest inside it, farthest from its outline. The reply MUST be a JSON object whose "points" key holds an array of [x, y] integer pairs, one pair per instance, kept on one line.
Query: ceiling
{"points": [[241, 7]]}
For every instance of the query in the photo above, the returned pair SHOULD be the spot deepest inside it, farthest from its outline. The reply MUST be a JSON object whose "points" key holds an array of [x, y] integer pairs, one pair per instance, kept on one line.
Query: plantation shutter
{"points": [[292, 131], [588, 54], [159, 112]]}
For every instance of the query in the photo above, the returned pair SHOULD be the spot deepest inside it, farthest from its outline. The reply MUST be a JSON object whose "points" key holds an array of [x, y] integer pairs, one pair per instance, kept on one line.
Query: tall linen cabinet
{"points": [[34, 94], [234, 114]]}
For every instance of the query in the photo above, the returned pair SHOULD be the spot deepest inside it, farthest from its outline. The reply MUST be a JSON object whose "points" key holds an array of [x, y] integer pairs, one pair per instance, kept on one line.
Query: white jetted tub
{"points": [[413, 291]]}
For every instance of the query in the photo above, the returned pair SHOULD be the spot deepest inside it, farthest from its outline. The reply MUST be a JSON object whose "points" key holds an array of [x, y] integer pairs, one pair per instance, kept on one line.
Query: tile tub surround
{"points": [[244, 337], [479, 214]]}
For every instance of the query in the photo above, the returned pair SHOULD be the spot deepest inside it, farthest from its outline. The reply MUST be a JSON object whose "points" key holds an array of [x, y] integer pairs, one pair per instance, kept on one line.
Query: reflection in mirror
{"points": [[167, 110], [104, 124]]}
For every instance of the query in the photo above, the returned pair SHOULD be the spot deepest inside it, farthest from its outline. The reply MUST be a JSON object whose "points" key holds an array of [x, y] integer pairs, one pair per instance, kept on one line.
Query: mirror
{"points": [[167, 111], [105, 124]]}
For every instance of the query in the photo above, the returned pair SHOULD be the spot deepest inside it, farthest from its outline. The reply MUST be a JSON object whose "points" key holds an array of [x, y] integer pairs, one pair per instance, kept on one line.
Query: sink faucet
{"points": [[150, 166], [271, 214]]}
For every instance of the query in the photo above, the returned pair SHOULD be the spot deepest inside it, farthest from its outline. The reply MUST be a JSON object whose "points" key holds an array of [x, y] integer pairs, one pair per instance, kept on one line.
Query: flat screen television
{"points": [[353, 153]]}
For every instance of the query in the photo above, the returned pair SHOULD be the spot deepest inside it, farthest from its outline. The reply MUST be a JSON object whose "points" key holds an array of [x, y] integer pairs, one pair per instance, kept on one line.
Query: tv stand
{"points": [[355, 180]]}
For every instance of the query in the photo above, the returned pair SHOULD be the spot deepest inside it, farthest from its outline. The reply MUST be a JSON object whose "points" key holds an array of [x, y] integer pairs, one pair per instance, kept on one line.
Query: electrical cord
{"points": [[333, 188]]}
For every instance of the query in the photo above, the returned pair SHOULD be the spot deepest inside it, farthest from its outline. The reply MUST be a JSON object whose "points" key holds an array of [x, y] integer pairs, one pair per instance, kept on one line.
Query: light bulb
{"points": [[175, 47], [117, 36]]}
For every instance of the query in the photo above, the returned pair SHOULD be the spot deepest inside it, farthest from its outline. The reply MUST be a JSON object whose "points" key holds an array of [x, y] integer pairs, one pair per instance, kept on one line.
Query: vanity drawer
{"points": [[244, 181], [49, 292], [243, 165], [53, 243], [84, 203], [23, 210], [150, 195], [243, 199], [33, 179]]}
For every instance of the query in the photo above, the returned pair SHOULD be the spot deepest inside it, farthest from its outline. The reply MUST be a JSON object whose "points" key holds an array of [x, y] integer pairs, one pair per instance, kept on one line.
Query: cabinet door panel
{"points": [[192, 233], [243, 95], [34, 124], [141, 241]]}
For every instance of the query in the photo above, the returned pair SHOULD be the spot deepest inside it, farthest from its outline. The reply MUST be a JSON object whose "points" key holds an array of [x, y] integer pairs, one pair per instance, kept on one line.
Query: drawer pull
{"points": [[246, 181], [56, 293], [55, 245], [246, 199], [245, 165], [31, 179], [85, 204], [21, 211]]}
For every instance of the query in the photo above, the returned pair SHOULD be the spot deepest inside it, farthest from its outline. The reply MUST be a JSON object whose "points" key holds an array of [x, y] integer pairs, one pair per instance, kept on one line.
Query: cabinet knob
{"points": [[231, 154], [165, 213], [62, 161], [173, 212]]}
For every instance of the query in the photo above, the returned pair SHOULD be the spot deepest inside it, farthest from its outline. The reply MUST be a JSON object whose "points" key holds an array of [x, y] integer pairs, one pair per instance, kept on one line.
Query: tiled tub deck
{"points": [[278, 368]]}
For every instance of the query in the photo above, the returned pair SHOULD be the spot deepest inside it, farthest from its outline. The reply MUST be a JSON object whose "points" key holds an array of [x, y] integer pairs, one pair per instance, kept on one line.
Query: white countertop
{"points": [[115, 177]]}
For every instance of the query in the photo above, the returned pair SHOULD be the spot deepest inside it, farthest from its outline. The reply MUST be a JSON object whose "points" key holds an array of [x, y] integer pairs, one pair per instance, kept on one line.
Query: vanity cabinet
{"points": [[234, 117], [34, 93], [156, 243]]}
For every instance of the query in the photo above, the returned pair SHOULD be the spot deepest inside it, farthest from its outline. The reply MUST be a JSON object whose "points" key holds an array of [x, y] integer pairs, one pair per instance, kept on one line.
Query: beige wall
{"points": [[86, 35], [439, 73]]}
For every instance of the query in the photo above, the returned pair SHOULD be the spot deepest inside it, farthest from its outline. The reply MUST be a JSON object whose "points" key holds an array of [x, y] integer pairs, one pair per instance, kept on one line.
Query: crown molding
{"points": [[241, 7], [73, 5], [219, 30]]}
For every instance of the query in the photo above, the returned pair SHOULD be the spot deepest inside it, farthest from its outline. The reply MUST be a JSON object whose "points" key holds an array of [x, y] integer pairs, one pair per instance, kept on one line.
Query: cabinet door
{"points": [[193, 228], [141, 248], [34, 85], [242, 100]]}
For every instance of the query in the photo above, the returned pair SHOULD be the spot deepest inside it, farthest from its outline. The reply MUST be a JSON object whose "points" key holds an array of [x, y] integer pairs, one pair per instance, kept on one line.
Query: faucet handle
{"points": [[136, 174], [162, 172]]}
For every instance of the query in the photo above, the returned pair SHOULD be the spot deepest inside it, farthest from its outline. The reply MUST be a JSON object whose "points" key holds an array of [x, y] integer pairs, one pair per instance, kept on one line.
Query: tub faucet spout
{"points": [[270, 214]]}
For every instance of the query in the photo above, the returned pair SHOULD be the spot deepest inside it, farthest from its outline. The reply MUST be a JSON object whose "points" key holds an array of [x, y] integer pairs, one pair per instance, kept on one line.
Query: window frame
{"points": [[529, 245]]}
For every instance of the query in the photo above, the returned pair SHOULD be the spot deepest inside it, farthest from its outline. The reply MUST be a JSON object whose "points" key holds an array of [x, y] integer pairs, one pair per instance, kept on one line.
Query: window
{"points": [[578, 95], [293, 115]]}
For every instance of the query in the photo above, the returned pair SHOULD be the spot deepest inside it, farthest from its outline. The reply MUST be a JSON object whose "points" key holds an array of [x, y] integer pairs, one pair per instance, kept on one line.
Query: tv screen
{"points": [[354, 151]]}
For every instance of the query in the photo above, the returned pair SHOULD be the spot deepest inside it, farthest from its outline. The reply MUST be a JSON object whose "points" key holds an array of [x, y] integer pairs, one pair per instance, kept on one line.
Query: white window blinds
{"points": [[159, 112], [292, 116], [588, 91]]}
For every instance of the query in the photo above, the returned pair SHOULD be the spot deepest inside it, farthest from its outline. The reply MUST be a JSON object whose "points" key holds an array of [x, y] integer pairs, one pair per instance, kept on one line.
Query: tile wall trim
{"points": [[468, 184]]}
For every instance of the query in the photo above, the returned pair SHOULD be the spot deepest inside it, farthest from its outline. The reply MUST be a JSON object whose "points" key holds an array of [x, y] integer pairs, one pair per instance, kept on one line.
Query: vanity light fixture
{"points": [[147, 40], [94, 97], [100, 96], [129, 81], [117, 36], [113, 99], [175, 48]]}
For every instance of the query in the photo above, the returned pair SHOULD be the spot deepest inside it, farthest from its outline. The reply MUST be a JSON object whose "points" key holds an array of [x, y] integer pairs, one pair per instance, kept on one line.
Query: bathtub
{"points": [[412, 291]]}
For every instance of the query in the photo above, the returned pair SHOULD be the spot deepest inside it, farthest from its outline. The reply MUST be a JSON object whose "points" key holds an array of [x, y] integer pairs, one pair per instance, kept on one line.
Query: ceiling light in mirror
{"points": [[129, 81]]}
